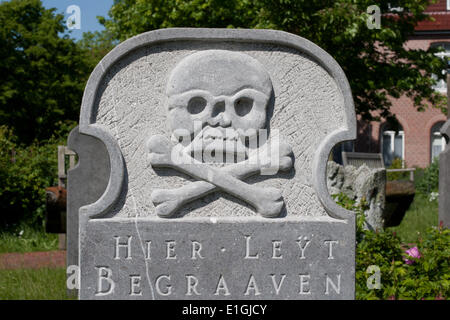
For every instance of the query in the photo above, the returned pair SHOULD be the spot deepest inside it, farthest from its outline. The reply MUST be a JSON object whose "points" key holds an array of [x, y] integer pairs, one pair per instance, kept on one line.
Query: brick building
{"points": [[418, 140]]}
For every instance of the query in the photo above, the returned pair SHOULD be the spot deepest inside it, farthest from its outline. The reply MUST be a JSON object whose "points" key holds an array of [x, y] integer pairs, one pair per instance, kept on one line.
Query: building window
{"points": [[448, 4], [437, 141], [391, 8], [441, 85], [393, 144]]}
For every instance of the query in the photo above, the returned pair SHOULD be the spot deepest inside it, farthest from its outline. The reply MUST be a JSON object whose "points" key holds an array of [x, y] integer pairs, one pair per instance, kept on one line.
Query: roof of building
{"points": [[441, 17]]}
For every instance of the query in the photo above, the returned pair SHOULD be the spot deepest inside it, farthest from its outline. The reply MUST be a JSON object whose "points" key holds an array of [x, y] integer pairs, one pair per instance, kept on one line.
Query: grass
{"points": [[421, 215], [33, 284], [23, 238]]}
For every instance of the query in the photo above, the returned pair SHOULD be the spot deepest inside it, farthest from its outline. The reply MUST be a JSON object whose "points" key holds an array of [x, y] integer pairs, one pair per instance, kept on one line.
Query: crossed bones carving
{"points": [[267, 201]]}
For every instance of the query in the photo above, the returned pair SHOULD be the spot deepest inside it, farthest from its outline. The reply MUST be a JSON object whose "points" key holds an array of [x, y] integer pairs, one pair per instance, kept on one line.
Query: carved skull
{"points": [[219, 98]]}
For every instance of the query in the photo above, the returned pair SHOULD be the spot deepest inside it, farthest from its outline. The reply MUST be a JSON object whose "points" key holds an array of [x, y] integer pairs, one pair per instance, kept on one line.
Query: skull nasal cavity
{"points": [[219, 107]]}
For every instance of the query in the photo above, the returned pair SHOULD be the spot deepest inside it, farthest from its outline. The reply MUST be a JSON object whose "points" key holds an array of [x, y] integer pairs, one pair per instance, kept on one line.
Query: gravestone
{"points": [[444, 179], [218, 142], [86, 182]]}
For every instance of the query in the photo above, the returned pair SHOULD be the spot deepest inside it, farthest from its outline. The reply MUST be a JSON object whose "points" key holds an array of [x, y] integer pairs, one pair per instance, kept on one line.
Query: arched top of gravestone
{"points": [[121, 84]]}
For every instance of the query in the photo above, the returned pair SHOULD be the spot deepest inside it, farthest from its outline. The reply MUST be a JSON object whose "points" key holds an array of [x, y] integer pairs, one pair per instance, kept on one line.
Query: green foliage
{"points": [[428, 181], [397, 163], [25, 172], [97, 45], [24, 238], [427, 278], [43, 74], [131, 17], [383, 250], [431, 273], [376, 62], [350, 204], [421, 215], [33, 284]]}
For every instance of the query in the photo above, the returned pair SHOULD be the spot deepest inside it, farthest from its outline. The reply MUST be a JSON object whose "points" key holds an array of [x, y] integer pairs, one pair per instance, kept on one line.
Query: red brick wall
{"points": [[416, 125]]}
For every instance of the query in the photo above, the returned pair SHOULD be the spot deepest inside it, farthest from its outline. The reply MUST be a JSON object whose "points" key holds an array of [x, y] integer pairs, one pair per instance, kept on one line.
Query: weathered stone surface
{"points": [[336, 178], [134, 102], [361, 184], [388, 201]]}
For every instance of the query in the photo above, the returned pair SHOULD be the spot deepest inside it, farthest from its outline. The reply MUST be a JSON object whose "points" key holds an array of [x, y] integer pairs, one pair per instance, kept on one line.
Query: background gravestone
{"points": [[168, 230], [444, 179], [85, 184], [361, 184]]}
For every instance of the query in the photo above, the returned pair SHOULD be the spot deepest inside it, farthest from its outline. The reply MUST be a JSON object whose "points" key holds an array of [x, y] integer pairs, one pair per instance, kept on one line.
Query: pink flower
{"points": [[439, 297], [413, 253]]}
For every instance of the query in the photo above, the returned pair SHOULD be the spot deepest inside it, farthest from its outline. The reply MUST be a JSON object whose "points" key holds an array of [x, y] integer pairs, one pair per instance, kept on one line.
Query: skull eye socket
{"points": [[243, 105], [196, 105]]}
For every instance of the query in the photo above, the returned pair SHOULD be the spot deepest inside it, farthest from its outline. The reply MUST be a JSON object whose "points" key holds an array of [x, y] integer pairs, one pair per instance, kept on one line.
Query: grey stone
{"points": [[444, 179], [226, 95], [361, 184], [335, 178], [85, 184], [224, 259], [135, 100], [267, 201]]}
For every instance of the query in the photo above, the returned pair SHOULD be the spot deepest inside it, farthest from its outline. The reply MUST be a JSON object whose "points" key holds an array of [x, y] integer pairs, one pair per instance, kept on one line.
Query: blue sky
{"points": [[89, 10]]}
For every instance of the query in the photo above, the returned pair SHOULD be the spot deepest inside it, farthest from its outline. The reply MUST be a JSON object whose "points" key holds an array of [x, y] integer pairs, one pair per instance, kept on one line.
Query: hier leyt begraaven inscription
{"points": [[217, 141]]}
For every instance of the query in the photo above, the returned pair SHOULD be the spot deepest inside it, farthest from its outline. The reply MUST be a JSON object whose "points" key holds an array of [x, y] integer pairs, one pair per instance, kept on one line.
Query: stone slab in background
{"points": [[444, 179], [362, 183], [127, 250], [85, 184], [387, 201]]}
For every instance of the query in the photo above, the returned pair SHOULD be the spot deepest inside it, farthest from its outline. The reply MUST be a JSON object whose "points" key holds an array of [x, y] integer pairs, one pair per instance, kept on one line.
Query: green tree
{"points": [[43, 74], [375, 61], [97, 44], [25, 172]]}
